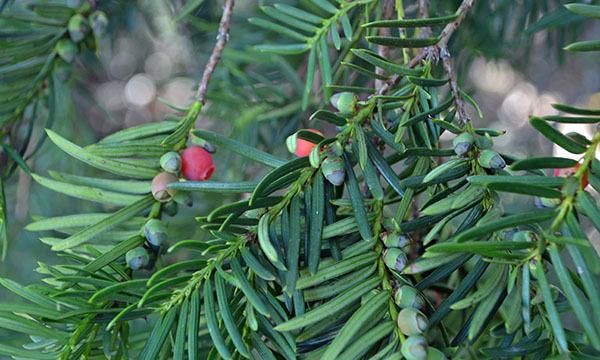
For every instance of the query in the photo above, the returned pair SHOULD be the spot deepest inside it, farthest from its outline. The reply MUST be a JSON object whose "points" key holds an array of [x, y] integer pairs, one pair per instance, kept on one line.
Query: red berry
{"points": [[196, 164], [303, 147], [570, 172]]}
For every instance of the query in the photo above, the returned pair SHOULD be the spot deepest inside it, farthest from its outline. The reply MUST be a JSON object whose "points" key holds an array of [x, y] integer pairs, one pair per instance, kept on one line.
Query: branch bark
{"points": [[217, 51], [442, 45]]}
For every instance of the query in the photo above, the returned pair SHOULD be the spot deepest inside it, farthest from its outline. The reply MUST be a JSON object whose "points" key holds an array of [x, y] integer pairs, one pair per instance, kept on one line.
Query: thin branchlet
{"points": [[215, 56], [447, 62]]}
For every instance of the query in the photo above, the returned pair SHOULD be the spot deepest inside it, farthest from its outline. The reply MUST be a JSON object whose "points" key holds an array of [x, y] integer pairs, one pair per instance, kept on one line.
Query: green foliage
{"points": [[302, 266]]}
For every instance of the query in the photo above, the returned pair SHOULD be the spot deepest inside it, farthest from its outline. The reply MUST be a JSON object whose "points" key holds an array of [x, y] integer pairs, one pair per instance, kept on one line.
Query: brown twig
{"points": [[217, 51], [423, 13], [447, 62]]}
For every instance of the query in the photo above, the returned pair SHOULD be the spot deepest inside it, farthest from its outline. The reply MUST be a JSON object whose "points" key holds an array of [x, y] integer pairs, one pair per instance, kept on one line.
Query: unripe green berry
{"points": [[344, 102], [394, 240], [333, 170], [171, 162], [414, 348], [491, 160], [137, 258], [412, 322], [334, 149], [160, 191], [77, 27], [408, 297], [66, 50], [394, 258], [155, 232], [98, 22], [463, 143]]}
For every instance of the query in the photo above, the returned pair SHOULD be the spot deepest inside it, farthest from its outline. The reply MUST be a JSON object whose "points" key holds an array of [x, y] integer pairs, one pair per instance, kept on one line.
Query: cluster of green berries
{"points": [[326, 157], [194, 163], [78, 27], [486, 157], [143, 257], [413, 323]]}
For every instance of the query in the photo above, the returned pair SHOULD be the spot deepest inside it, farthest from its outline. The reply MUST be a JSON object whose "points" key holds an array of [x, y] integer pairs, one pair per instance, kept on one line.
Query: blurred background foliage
{"points": [[508, 53]]}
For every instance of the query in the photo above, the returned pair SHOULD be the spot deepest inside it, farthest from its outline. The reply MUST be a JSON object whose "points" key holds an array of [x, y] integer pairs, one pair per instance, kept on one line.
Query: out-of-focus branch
{"points": [[217, 51]]}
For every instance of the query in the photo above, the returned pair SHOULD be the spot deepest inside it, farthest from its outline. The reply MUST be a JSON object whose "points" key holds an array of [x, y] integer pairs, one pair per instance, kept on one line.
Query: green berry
{"points": [[67, 50], [344, 102], [414, 348], [412, 322], [155, 232], [333, 170], [394, 240], [334, 150], [491, 160], [171, 162], [463, 143], [77, 27], [137, 258], [394, 258], [408, 297]]}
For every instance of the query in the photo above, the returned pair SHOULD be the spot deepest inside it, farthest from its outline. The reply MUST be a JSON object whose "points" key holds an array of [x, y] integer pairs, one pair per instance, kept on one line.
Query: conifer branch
{"points": [[432, 51], [217, 51]]}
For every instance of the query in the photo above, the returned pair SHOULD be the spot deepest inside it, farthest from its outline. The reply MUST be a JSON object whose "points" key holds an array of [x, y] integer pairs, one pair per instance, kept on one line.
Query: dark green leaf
{"points": [[556, 137], [503, 223], [239, 148], [360, 214], [403, 42], [210, 312], [543, 163], [409, 23], [554, 317]]}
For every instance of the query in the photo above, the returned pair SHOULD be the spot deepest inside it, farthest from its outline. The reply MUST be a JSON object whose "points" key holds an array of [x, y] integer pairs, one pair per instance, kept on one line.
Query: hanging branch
{"points": [[215, 56], [447, 62]]}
